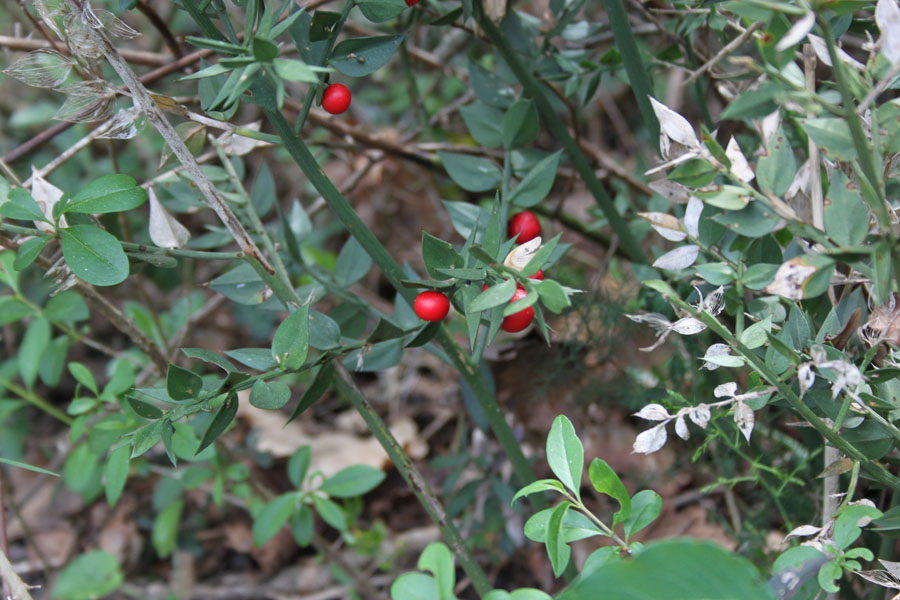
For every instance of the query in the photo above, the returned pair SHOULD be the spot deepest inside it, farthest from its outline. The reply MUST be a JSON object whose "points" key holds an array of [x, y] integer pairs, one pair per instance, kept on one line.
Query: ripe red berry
{"points": [[336, 98], [412, 2], [431, 306], [539, 275], [526, 224], [518, 321]]}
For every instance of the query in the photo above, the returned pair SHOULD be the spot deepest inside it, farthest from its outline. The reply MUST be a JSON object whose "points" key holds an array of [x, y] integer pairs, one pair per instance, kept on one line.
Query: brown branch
{"points": [[160, 26], [151, 59]]}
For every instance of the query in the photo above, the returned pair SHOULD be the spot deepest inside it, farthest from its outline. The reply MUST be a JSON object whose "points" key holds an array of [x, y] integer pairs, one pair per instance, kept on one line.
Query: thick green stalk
{"points": [[556, 126], [414, 480], [394, 273], [634, 66]]}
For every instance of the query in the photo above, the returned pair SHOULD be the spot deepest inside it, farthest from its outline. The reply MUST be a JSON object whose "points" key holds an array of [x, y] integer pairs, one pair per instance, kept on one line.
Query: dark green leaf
{"points": [[471, 172], [298, 465], [645, 507], [320, 384], [273, 517], [94, 255], [116, 473], [484, 123], [30, 250], [557, 549], [353, 262], [182, 384], [210, 357], [352, 481], [145, 438], [553, 295], [263, 49], [35, 340], [495, 295], [94, 574], [22, 207], [290, 345], [379, 11], [438, 254], [270, 395], [220, 422], [255, 358], [144, 409], [606, 481], [537, 183], [110, 193], [520, 124], [358, 57], [330, 512]]}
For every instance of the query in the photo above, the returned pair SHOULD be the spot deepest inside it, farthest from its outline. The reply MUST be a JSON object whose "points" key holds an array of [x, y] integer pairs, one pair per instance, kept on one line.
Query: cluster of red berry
{"points": [[434, 306]]}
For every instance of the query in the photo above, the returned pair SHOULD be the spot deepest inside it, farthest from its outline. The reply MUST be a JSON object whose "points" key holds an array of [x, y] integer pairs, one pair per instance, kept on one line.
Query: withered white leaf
{"points": [[892, 567], [86, 101], [671, 190], [653, 412], [714, 302], [882, 578], [700, 415], [718, 350], [797, 32], [665, 225], [79, 39], [821, 49], [887, 16], [680, 258], [125, 124], [521, 255], [769, 126], [743, 416], [725, 390], [806, 377], [239, 145], [687, 326], [673, 125], [44, 67], [165, 230], [681, 428], [46, 195], [789, 279], [651, 440], [740, 168], [692, 216], [802, 531], [98, 18], [48, 9]]}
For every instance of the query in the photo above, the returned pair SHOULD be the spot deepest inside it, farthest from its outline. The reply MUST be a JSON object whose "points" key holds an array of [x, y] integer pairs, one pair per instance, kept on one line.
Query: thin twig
{"points": [[728, 49], [161, 27], [152, 59], [879, 88]]}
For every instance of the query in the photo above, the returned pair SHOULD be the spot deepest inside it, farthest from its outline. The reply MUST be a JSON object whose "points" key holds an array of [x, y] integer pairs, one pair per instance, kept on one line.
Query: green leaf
{"points": [[67, 307], [321, 383], [537, 183], [324, 332], [489, 88], [30, 250], [606, 481], [210, 357], [832, 135], [363, 56], [263, 49], [466, 217], [553, 295], [541, 485], [295, 70], [299, 464], [775, 170], [520, 124], [471, 173], [35, 340], [353, 263], [846, 216], [320, 27], [116, 473], [94, 574], [269, 395], [755, 220], [22, 207], [262, 194], [485, 123], [94, 255], [565, 454], [83, 376], [438, 254], [495, 295], [695, 173], [557, 549], [256, 358], [379, 11], [303, 525], [273, 517], [12, 310], [755, 103], [145, 438], [757, 334], [291, 342], [182, 384], [330, 512], [414, 586], [436, 558], [220, 422], [352, 481], [728, 197], [663, 570], [110, 193], [164, 535], [645, 507], [241, 284], [144, 409]]}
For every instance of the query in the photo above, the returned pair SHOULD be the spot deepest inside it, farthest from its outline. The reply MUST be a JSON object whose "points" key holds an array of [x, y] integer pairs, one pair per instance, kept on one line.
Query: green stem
{"points": [[561, 133], [414, 480], [179, 253], [634, 66], [394, 273], [36, 400]]}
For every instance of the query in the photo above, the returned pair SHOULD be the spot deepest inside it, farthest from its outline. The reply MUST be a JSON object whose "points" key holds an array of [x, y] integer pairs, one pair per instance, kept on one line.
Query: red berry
{"points": [[336, 98], [539, 275], [526, 224], [431, 306], [412, 2], [518, 321]]}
